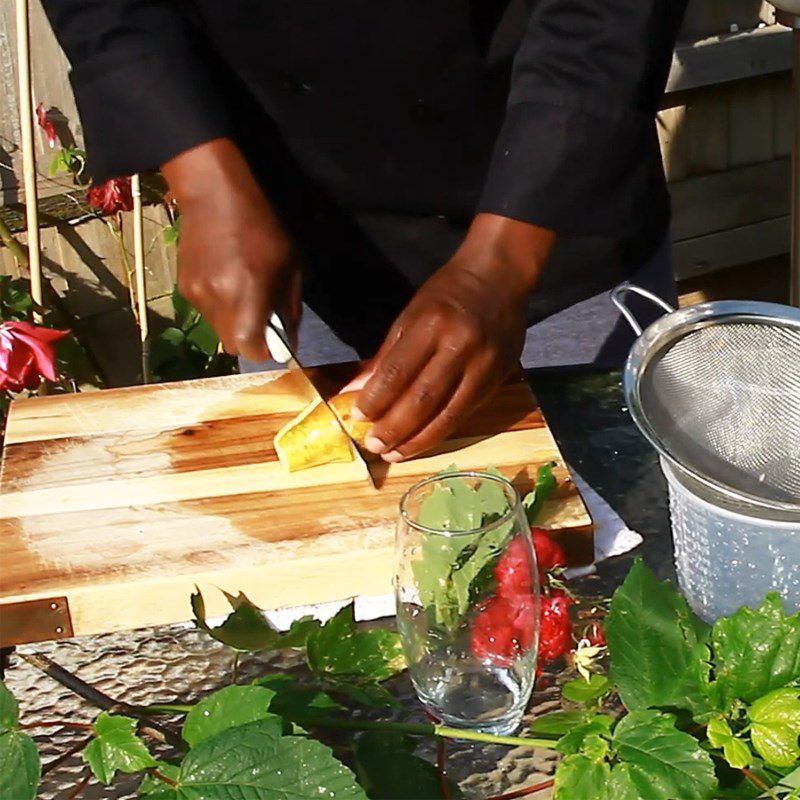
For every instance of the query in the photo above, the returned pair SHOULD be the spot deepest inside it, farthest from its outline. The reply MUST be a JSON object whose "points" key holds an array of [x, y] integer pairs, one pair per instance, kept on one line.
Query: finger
{"points": [[472, 390], [396, 370], [420, 403], [250, 320]]}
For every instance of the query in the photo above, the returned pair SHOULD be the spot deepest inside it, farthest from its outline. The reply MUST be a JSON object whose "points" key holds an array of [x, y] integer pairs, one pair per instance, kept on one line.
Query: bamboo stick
{"points": [[28, 152], [141, 279]]}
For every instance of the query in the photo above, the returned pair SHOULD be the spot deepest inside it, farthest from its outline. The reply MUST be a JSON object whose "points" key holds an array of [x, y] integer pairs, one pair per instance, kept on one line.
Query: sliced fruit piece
{"points": [[314, 436]]}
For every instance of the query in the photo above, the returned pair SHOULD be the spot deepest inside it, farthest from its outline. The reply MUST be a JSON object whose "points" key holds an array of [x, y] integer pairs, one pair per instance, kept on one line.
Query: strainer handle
{"points": [[617, 297]]}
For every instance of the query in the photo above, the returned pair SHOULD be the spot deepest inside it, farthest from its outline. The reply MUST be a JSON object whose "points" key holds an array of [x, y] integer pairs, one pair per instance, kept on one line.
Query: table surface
{"points": [[588, 416]]}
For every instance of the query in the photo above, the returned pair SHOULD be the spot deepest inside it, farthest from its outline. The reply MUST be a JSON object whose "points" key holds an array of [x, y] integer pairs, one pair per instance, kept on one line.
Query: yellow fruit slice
{"points": [[314, 437]]}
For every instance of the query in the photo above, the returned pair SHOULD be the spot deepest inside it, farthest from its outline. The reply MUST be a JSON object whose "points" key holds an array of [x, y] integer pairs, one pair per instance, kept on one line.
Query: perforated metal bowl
{"points": [[715, 387]]}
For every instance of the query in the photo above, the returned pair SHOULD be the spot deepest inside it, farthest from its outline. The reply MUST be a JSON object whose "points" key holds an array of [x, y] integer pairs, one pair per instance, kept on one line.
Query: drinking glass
{"points": [[468, 599]]}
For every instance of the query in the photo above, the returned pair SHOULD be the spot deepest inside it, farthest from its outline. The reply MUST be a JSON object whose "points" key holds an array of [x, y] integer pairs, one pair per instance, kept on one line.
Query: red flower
{"points": [[513, 572], [112, 196], [503, 629], [549, 553], [555, 634], [46, 124], [595, 635], [26, 355]]}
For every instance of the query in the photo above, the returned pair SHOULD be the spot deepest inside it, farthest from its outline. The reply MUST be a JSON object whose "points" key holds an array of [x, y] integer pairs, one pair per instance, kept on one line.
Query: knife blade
{"points": [[282, 352]]}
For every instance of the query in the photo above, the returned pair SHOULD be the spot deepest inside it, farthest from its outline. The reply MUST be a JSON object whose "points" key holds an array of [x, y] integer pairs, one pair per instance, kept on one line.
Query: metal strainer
{"points": [[715, 387]]}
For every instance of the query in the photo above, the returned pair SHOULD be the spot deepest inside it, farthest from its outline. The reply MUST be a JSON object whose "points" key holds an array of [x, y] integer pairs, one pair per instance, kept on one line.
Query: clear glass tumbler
{"points": [[468, 599]]}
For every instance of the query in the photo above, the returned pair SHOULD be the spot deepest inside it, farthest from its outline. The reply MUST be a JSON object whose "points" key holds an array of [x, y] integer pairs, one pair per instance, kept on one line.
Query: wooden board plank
{"points": [[730, 57], [123, 500], [742, 196], [751, 125], [704, 254]]}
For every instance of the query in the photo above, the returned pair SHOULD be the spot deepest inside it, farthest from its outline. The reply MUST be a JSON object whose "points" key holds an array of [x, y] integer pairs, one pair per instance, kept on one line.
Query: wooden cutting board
{"points": [[115, 504]]}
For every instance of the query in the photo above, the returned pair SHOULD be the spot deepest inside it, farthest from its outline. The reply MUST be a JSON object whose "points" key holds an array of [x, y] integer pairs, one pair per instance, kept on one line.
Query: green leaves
{"points": [[9, 709], [20, 766], [343, 658], [586, 692], [190, 348], [653, 643], [227, 708], [755, 651], [663, 761], [735, 750], [574, 741], [775, 727], [388, 769], [292, 702], [247, 629], [451, 566], [581, 778], [646, 758], [545, 486], [557, 723], [15, 299], [353, 661], [116, 747], [172, 233], [254, 762]]}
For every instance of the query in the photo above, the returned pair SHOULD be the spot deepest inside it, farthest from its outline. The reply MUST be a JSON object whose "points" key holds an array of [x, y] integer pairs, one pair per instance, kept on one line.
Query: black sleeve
{"points": [[143, 91], [578, 150]]}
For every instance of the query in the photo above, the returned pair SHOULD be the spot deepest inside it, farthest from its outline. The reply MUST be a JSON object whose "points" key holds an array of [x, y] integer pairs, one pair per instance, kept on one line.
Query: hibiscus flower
{"points": [[26, 355]]}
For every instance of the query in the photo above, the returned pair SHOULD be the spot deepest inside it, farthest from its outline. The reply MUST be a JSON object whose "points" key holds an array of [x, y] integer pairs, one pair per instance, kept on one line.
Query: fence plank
{"points": [[730, 57], [741, 196], [743, 245]]}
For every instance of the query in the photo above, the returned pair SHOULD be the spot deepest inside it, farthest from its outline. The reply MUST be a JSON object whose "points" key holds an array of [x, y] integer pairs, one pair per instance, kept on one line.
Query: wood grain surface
{"points": [[123, 500]]}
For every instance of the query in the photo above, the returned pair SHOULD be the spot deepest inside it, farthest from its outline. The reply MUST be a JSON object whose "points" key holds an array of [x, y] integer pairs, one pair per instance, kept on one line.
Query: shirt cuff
{"points": [[564, 167], [139, 114]]}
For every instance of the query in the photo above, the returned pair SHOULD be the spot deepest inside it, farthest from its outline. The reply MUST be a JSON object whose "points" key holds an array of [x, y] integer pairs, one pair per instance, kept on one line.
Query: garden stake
{"points": [[100, 699], [28, 154]]}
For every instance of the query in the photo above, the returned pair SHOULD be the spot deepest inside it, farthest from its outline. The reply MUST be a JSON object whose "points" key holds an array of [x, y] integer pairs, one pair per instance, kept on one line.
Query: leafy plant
{"points": [[341, 657], [693, 695], [699, 728], [71, 160], [190, 348], [20, 766]]}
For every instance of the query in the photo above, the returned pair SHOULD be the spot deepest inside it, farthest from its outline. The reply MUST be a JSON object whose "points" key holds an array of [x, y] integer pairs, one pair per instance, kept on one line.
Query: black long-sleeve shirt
{"points": [[403, 105]]}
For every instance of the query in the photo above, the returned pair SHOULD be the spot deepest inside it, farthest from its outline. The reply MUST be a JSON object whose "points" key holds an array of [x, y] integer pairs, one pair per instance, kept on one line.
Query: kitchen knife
{"points": [[282, 352]]}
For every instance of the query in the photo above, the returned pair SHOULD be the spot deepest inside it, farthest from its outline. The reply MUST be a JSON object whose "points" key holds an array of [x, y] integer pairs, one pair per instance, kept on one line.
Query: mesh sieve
{"points": [[716, 388]]}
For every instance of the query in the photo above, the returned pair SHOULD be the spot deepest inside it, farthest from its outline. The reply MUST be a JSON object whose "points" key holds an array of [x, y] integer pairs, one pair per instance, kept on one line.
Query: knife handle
{"points": [[276, 340]]}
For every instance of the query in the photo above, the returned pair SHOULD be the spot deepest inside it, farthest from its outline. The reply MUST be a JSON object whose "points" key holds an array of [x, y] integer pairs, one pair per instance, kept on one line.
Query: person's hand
{"points": [[458, 339], [236, 264]]}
